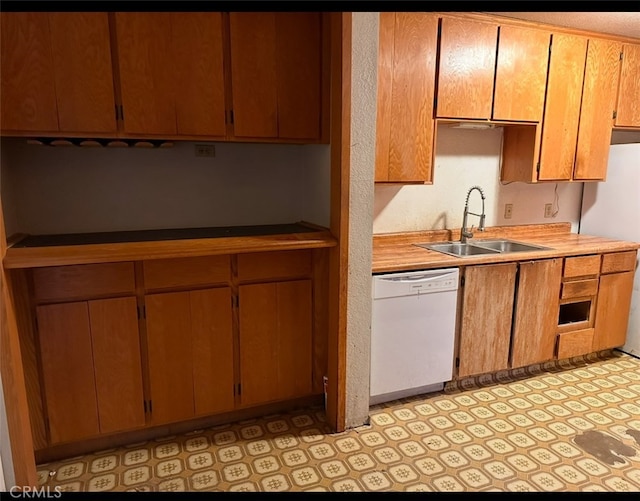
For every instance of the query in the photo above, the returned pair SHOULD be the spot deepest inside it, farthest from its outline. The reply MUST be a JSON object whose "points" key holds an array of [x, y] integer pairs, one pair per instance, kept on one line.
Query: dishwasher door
{"points": [[412, 332]]}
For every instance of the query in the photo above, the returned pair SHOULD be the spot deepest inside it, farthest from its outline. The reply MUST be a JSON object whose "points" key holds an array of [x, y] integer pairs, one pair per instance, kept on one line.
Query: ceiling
{"points": [[616, 23]]}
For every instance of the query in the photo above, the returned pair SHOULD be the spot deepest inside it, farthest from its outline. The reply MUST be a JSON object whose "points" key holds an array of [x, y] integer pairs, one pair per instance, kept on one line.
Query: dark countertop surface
{"points": [[157, 235]]}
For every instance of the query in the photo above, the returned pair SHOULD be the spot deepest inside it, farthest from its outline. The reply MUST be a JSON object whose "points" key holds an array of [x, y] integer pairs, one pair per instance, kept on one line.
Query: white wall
{"points": [[74, 189], [467, 157], [363, 134]]}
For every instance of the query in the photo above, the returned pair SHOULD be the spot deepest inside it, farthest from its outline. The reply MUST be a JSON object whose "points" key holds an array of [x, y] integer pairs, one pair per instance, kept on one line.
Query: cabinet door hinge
{"points": [[239, 389], [150, 406], [615, 114], [538, 168], [461, 281], [621, 56], [457, 362], [142, 312], [121, 113]]}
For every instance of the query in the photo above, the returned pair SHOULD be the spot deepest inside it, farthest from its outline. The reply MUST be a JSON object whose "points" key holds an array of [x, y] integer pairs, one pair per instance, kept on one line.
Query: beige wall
{"points": [[464, 158], [72, 189]]}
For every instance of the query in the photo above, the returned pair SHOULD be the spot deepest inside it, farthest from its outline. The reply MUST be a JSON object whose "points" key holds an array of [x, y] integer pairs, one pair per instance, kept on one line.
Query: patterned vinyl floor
{"points": [[560, 426]]}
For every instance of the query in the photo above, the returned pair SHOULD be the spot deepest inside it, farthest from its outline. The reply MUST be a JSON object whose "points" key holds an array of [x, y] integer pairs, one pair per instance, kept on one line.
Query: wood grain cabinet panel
{"points": [[275, 341], [27, 93], [117, 363], [521, 74], [147, 77], [466, 69], [190, 347], [487, 310], [581, 266], [612, 310], [64, 335], [198, 72], [562, 107], [91, 367], [406, 83], [619, 261], [83, 71], [536, 312], [628, 109], [276, 74], [596, 112], [574, 343], [171, 72]]}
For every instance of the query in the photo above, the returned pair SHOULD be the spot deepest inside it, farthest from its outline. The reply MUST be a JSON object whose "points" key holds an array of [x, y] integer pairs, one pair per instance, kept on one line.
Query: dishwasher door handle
{"points": [[415, 279]]}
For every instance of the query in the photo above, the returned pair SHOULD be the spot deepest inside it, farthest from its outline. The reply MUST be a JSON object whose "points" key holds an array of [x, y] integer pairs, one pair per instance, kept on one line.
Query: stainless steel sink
{"points": [[458, 249], [480, 247], [508, 246]]}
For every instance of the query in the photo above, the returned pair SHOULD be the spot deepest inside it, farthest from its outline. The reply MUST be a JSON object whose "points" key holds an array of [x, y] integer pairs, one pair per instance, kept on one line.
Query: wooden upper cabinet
{"points": [[406, 82], [171, 72], [596, 113], [147, 82], [628, 110], [27, 91], [276, 74], [521, 74], [198, 70], [562, 107], [466, 69], [83, 71]]}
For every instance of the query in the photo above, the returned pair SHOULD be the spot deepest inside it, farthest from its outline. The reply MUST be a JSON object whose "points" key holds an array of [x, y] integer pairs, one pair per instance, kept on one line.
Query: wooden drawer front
{"points": [[574, 343], [620, 261], [190, 271], [83, 281], [579, 288], [270, 265], [581, 266]]}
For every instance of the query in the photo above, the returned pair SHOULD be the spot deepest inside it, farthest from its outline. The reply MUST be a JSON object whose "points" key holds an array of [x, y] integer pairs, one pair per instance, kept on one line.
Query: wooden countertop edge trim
{"points": [[34, 257]]}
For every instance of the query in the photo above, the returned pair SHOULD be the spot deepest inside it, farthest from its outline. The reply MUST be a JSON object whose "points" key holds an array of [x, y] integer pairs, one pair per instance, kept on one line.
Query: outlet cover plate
{"points": [[508, 211]]}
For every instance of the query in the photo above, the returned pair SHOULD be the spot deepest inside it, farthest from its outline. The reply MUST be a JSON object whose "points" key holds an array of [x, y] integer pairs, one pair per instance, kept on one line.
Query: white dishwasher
{"points": [[412, 332]]}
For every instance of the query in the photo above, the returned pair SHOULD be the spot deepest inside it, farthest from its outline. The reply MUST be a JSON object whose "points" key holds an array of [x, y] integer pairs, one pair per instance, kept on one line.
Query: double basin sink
{"points": [[481, 247]]}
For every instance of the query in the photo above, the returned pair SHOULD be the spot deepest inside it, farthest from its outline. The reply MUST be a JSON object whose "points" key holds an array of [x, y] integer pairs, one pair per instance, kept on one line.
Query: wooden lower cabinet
{"points": [[612, 310], [275, 341], [91, 369], [487, 308], [536, 312], [190, 353]]}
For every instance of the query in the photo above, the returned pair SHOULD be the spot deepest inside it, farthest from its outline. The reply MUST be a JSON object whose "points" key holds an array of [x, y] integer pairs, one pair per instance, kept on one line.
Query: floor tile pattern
{"points": [[521, 430]]}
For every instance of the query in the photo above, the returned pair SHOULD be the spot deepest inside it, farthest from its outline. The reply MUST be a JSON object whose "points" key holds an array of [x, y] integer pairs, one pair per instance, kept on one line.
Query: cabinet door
{"points": [[83, 74], [628, 110], [596, 113], [298, 72], [406, 82], [276, 74], [275, 341], [197, 68], [467, 68], [562, 107], [536, 312], [117, 363], [212, 348], [28, 95], [146, 73], [612, 310], [64, 336], [170, 355], [521, 74], [253, 74], [487, 309]]}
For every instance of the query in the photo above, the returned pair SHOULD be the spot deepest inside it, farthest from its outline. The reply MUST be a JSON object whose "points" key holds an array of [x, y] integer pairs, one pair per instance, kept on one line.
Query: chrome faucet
{"points": [[464, 233]]}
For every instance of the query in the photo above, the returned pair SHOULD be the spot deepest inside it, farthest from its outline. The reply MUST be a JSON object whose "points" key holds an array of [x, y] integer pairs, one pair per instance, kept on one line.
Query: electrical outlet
{"points": [[548, 210], [508, 211], [205, 150]]}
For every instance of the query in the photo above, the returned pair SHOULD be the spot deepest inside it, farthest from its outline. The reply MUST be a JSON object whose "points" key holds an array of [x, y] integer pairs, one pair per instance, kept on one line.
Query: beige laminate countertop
{"points": [[397, 252]]}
